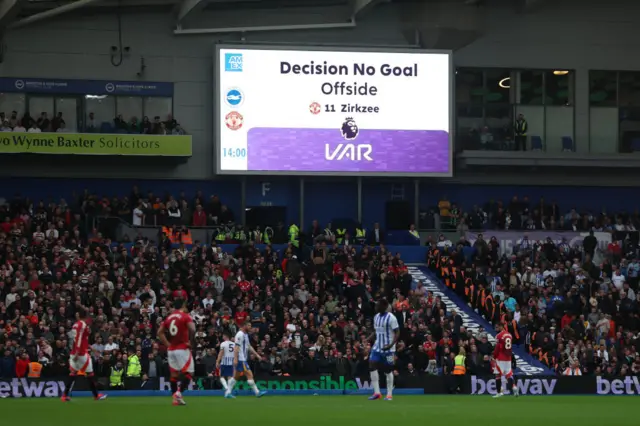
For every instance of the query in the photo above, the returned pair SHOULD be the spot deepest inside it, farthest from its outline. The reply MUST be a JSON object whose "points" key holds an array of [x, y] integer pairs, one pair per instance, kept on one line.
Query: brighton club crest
{"points": [[234, 120], [349, 129]]}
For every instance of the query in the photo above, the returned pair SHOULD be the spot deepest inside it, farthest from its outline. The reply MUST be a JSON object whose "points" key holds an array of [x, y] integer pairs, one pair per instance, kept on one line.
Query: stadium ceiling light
{"points": [[560, 72], [505, 83]]}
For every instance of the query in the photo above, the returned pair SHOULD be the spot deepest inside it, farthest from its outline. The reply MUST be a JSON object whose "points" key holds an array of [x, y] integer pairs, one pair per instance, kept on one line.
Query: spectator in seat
{"points": [[119, 122], [34, 127], [19, 127], [6, 127], [14, 121], [92, 123], [199, 217], [43, 123], [146, 127], [178, 130], [134, 126], [63, 127], [171, 123], [56, 123], [162, 130]]}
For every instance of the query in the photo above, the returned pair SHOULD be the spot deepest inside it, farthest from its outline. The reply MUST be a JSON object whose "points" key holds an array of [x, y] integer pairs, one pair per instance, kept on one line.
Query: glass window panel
{"points": [[41, 110], [603, 88], [67, 111], [129, 107], [629, 129], [629, 89], [498, 124], [498, 86], [469, 122], [160, 107], [558, 88], [469, 87], [10, 102], [530, 88], [99, 109]]}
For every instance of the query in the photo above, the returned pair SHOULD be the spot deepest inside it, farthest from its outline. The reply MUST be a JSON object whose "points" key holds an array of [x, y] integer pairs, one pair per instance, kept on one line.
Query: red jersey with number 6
{"points": [[504, 344], [177, 330]]}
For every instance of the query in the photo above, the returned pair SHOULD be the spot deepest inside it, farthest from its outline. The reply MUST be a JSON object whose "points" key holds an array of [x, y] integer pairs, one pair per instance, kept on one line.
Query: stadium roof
{"points": [[343, 13]]}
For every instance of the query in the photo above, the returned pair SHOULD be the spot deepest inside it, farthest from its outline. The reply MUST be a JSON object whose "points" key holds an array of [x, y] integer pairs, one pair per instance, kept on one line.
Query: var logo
{"points": [[348, 151], [481, 386]]}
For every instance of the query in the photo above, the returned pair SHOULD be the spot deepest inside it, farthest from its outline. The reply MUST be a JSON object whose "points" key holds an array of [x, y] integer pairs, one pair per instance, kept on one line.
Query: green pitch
{"points": [[324, 411]]}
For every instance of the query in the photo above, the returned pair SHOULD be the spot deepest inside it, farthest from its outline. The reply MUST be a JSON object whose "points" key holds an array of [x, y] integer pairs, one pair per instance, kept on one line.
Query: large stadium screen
{"points": [[332, 112]]}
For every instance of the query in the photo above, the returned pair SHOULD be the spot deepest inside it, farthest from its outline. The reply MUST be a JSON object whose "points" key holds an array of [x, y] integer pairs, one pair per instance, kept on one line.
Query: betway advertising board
{"points": [[423, 384]]}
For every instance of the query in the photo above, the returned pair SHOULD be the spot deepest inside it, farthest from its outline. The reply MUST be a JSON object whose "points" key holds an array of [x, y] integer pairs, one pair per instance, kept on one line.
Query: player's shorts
{"points": [[80, 364], [502, 368], [181, 361], [226, 371], [384, 358], [242, 367]]}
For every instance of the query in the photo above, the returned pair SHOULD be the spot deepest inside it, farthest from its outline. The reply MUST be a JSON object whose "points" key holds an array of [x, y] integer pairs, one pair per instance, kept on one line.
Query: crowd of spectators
{"points": [[310, 316], [574, 315], [57, 123], [311, 305], [525, 214]]}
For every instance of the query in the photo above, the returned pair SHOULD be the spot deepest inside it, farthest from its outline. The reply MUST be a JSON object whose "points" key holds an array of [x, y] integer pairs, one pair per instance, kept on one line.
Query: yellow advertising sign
{"points": [[95, 144]]}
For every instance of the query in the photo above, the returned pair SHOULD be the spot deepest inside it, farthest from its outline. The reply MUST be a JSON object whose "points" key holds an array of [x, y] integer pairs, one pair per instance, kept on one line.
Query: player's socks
{"points": [[503, 384], [390, 385], [186, 381], [231, 384], [223, 382], [375, 382], [254, 387], [94, 388], [68, 386], [174, 385]]}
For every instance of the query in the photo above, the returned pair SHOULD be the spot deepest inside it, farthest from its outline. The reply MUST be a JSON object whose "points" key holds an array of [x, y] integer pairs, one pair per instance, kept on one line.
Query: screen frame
{"points": [[217, 106]]}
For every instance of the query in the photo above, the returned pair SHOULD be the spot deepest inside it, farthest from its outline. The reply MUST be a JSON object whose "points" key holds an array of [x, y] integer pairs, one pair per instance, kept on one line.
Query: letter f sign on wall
{"points": [[266, 187]]}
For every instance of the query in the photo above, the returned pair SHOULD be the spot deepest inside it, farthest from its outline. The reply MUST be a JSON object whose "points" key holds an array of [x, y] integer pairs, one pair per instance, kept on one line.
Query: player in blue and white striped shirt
{"points": [[225, 359], [241, 351], [383, 351]]}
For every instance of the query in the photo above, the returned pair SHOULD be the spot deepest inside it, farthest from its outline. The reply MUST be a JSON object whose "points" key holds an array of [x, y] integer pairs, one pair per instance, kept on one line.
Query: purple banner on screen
{"points": [[325, 150]]}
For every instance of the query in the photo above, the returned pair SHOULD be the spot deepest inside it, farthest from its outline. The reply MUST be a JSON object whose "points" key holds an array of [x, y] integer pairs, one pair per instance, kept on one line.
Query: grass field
{"points": [[325, 411]]}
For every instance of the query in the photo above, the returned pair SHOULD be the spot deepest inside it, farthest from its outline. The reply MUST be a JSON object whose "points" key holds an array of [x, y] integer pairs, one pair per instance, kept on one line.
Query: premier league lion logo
{"points": [[349, 129]]}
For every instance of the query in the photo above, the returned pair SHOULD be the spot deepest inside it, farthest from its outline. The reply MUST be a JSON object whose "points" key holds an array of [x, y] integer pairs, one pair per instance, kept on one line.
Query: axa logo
{"points": [[348, 151]]}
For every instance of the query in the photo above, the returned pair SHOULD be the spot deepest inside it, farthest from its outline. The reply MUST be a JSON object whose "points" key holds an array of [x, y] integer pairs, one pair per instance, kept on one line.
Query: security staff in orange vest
{"points": [[459, 371], [35, 370]]}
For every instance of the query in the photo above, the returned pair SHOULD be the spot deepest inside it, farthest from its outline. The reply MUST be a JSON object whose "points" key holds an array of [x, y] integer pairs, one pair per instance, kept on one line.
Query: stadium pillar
{"points": [[243, 201], [301, 226], [416, 205], [359, 199]]}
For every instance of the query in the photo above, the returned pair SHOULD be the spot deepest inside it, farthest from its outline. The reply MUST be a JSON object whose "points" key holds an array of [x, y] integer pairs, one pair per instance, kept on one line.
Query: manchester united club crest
{"points": [[314, 108], [234, 120]]}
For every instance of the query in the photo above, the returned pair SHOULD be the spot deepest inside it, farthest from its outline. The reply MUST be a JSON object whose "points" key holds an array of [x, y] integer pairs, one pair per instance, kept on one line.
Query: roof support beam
{"points": [[361, 6], [190, 6], [9, 9], [53, 12]]}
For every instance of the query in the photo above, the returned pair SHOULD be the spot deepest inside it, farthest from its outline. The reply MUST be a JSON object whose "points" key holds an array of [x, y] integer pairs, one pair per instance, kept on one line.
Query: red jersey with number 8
{"points": [[177, 327], [504, 345]]}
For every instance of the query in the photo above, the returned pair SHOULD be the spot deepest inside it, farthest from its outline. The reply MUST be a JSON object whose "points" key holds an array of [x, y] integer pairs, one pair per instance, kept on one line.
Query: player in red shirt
{"points": [[80, 359], [181, 330], [502, 360]]}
